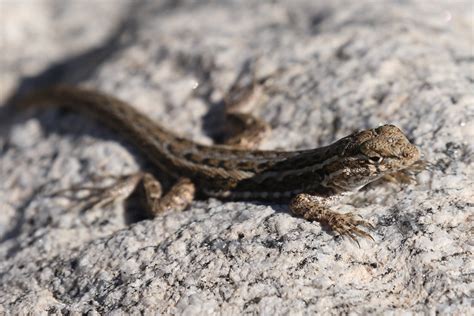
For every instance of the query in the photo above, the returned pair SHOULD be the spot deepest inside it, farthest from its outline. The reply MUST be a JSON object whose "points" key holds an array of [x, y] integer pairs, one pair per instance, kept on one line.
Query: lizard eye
{"points": [[376, 159]]}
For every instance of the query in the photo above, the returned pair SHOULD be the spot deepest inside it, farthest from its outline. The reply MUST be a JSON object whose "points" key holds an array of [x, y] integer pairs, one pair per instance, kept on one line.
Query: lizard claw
{"points": [[102, 196], [346, 226]]}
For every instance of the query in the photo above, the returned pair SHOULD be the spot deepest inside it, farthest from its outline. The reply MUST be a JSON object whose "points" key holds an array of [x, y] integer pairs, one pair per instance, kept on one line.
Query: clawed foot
{"points": [[317, 208], [347, 224], [102, 196], [408, 175], [179, 196]]}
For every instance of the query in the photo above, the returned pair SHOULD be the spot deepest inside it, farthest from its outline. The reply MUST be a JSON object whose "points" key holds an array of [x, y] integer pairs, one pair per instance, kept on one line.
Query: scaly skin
{"points": [[234, 173]]}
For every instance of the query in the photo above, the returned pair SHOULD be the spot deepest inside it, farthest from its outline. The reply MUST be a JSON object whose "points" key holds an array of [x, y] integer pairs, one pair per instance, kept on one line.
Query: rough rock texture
{"points": [[346, 65]]}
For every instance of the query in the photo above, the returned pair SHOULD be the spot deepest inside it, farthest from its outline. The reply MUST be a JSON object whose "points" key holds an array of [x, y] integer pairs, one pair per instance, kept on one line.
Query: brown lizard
{"points": [[309, 180]]}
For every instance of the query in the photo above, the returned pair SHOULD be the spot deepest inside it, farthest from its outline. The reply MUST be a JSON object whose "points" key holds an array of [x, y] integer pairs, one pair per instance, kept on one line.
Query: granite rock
{"points": [[341, 66]]}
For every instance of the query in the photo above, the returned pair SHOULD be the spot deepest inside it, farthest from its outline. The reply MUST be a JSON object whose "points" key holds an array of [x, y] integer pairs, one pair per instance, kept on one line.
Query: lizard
{"points": [[311, 181]]}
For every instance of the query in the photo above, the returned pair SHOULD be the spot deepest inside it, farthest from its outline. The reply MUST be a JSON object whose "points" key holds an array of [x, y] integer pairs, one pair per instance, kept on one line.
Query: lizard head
{"points": [[371, 154], [387, 148]]}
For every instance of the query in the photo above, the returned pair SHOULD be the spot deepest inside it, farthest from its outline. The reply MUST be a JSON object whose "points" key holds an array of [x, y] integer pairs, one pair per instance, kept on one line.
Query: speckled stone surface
{"points": [[346, 65]]}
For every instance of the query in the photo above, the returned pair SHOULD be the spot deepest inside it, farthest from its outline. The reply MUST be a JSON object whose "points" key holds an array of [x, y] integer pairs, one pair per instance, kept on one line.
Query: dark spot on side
{"points": [[245, 165], [193, 157], [212, 162]]}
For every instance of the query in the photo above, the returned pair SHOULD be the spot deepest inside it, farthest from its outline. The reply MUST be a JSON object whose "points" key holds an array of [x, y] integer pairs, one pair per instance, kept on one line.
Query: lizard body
{"points": [[227, 172]]}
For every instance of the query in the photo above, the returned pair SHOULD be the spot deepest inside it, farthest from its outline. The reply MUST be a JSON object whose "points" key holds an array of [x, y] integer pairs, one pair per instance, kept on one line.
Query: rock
{"points": [[340, 66]]}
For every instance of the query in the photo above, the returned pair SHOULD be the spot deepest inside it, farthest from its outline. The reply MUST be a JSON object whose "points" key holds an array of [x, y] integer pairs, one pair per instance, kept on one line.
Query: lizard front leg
{"points": [[316, 208], [407, 175]]}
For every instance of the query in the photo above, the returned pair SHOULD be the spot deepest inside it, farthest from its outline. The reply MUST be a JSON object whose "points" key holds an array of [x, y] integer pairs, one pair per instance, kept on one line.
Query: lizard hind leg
{"points": [[315, 208], [246, 131], [98, 197], [243, 129], [176, 199]]}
